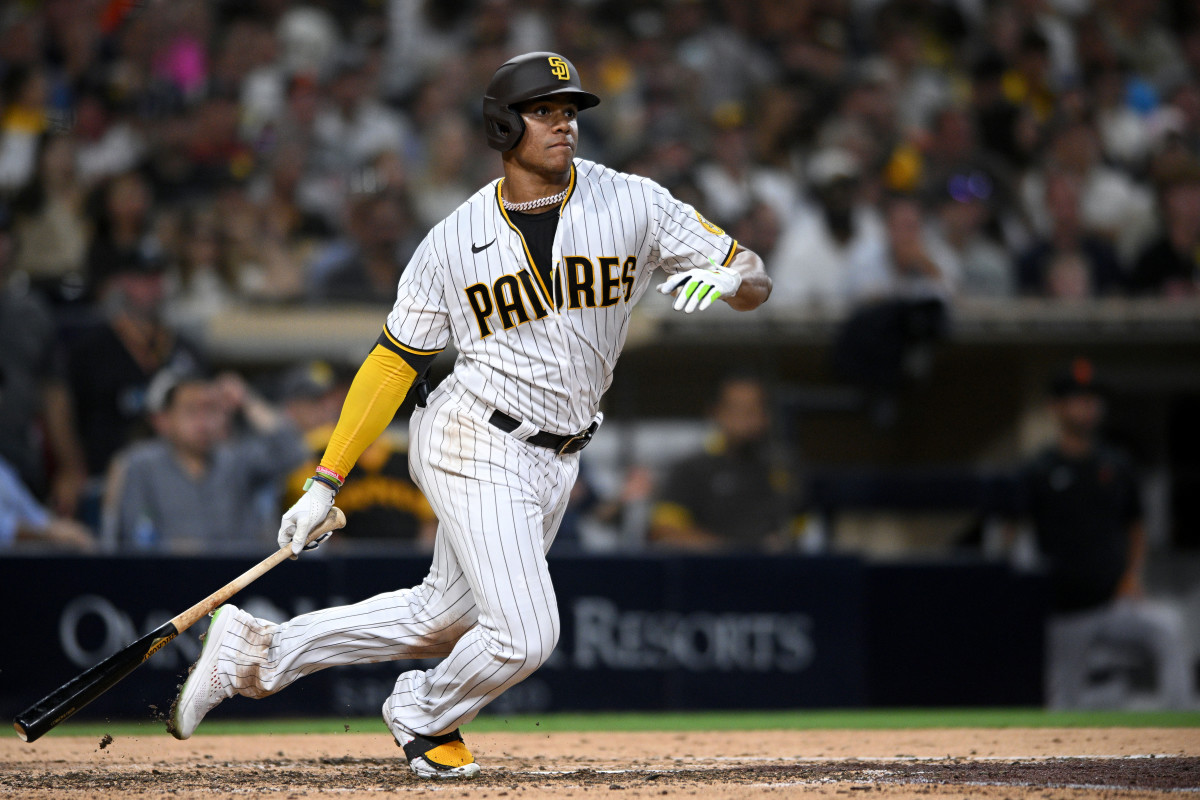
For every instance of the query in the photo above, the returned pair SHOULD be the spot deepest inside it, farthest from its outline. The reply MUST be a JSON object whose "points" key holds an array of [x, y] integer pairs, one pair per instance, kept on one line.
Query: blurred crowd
{"points": [[281, 152], [161, 162]]}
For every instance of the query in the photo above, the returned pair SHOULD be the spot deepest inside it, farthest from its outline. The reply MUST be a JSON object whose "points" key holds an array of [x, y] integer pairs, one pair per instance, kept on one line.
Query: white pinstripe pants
{"points": [[487, 606]]}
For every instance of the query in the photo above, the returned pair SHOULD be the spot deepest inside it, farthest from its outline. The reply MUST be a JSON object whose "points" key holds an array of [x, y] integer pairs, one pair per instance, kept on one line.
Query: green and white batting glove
{"points": [[700, 288]]}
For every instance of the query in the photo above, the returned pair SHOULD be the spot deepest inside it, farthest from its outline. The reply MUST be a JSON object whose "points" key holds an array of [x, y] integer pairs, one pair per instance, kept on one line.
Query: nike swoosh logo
{"points": [[479, 249]]}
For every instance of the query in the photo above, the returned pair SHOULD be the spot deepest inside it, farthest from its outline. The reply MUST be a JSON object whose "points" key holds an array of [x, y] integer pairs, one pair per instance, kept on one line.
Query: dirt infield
{"points": [[1006, 764]]}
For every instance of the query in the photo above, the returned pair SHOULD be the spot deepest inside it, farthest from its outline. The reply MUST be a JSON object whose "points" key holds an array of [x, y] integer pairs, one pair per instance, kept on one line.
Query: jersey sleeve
{"points": [[420, 320], [686, 239]]}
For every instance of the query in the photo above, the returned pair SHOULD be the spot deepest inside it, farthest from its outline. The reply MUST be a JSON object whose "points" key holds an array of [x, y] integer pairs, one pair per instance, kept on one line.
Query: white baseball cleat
{"points": [[203, 690]]}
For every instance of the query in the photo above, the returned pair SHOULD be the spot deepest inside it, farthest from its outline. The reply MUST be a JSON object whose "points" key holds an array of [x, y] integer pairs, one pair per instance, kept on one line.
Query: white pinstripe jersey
{"points": [[472, 281]]}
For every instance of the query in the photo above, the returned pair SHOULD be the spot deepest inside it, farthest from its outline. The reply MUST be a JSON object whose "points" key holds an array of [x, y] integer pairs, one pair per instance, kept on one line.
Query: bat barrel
{"points": [[76, 693], [36, 720]]}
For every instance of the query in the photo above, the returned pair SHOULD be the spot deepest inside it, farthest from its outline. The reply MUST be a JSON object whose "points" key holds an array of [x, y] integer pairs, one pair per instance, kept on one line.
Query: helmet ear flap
{"points": [[504, 127]]}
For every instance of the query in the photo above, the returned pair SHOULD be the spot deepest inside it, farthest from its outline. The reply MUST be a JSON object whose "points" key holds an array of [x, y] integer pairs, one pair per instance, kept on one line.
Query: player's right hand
{"points": [[308, 512]]}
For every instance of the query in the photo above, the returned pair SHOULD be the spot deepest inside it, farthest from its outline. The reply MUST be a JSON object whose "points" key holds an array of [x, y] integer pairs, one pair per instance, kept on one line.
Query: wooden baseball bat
{"points": [[87, 686]]}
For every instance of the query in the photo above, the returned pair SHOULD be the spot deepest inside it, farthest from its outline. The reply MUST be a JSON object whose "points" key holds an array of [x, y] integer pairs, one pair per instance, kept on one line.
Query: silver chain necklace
{"points": [[529, 205]]}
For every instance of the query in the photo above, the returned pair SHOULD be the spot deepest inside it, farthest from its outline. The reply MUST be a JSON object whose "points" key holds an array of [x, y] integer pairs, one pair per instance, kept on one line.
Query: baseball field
{"points": [[1011, 754]]}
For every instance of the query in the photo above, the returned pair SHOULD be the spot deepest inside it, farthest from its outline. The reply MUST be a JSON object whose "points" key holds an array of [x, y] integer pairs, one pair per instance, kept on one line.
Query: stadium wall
{"points": [[639, 633]]}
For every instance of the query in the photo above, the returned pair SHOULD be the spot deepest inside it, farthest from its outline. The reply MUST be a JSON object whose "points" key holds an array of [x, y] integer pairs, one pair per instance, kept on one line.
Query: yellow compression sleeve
{"points": [[378, 389]]}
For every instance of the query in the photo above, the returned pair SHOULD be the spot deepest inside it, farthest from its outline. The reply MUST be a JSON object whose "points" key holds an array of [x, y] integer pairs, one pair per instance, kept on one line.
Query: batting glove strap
{"points": [[700, 288]]}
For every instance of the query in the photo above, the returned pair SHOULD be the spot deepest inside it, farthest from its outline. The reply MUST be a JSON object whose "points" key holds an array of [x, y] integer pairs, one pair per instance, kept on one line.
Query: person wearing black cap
{"points": [[110, 364], [533, 281], [1083, 499]]}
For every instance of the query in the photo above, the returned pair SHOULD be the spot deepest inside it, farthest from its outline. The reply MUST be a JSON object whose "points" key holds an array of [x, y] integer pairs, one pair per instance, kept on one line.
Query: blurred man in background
{"points": [[36, 420], [816, 253], [111, 364], [379, 245], [1068, 261], [1083, 500], [1170, 265], [957, 242], [195, 487], [736, 494], [901, 265]]}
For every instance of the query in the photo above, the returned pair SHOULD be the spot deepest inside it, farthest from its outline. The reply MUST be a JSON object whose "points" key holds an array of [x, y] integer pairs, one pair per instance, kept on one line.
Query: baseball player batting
{"points": [[533, 279]]}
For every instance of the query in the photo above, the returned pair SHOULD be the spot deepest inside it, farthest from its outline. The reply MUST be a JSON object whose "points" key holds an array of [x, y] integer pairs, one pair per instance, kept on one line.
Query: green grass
{"points": [[690, 721]]}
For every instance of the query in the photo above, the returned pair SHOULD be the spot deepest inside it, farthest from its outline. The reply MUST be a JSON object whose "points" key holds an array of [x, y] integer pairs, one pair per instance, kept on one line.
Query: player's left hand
{"points": [[699, 288]]}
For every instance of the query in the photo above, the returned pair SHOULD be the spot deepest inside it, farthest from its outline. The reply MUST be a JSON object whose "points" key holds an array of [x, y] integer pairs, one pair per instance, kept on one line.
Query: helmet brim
{"points": [[582, 99]]}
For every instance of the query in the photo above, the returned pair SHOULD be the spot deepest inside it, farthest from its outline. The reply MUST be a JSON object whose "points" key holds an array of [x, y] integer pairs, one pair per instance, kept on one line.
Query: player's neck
{"points": [[522, 185]]}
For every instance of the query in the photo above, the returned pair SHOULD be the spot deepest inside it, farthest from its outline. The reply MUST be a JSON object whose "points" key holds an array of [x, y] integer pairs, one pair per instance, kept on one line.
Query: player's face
{"points": [[1080, 414], [551, 135], [195, 422], [741, 412]]}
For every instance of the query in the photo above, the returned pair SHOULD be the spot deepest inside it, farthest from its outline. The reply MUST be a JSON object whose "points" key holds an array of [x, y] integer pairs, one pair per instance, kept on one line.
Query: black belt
{"points": [[563, 445]]}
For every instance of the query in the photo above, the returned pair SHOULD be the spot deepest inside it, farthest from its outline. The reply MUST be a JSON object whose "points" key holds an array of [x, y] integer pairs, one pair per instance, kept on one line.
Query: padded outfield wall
{"points": [[638, 632]]}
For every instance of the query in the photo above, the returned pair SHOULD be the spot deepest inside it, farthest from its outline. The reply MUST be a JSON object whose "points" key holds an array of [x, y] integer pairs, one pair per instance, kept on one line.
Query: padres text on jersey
{"points": [[538, 352]]}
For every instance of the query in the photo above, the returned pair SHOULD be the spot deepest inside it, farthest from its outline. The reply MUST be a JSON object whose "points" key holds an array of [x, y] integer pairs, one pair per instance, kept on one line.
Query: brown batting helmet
{"points": [[523, 78]]}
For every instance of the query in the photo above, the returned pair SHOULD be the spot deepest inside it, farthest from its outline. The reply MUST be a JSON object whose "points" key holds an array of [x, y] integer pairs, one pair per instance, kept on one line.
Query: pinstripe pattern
{"points": [[550, 371], [488, 606]]}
